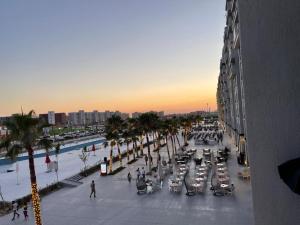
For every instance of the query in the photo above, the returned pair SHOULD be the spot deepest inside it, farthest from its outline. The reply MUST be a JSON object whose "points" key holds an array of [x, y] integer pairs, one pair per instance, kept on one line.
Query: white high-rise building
{"points": [[51, 117]]}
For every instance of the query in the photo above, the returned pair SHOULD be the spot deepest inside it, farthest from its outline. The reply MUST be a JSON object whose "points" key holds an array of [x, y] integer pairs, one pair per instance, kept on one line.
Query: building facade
{"points": [[258, 97], [230, 94], [51, 117], [82, 118]]}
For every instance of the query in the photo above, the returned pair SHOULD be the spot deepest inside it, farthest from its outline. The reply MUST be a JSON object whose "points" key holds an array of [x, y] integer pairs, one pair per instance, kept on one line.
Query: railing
{"points": [[236, 33]]}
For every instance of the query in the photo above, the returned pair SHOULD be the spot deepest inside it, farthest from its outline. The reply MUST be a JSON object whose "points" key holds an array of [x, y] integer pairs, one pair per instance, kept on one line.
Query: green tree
{"points": [[127, 139], [114, 126], [110, 141], [24, 130], [147, 122]]}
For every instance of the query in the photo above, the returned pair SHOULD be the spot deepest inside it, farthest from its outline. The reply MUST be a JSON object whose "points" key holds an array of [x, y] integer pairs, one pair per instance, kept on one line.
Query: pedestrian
{"points": [[143, 173], [129, 177], [93, 189], [159, 157], [25, 212], [15, 208], [138, 173], [151, 160], [146, 160]]}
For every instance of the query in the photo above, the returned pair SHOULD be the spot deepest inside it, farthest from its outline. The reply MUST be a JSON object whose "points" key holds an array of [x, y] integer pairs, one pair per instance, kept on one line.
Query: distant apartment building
{"points": [[101, 116], [44, 117], [3, 132], [54, 118], [258, 100], [82, 118], [4, 119], [73, 119], [77, 118], [136, 114], [51, 117], [60, 118]]}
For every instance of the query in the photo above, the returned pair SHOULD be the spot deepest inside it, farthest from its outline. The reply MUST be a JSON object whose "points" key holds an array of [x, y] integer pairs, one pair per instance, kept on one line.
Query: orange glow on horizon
{"points": [[173, 98]]}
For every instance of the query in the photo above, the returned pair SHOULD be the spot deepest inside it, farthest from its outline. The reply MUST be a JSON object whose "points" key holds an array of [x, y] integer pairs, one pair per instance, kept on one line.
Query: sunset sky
{"points": [[126, 55]]}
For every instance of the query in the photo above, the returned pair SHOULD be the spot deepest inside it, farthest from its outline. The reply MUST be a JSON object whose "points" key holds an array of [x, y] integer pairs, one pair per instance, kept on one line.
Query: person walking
{"points": [[151, 160], [146, 160], [15, 208], [143, 173], [93, 189], [25, 212], [138, 173], [129, 177]]}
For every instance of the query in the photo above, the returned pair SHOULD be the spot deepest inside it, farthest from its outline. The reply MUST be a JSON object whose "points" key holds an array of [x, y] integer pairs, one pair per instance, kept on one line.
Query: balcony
{"points": [[229, 4], [234, 67], [233, 5], [235, 15], [236, 36], [229, 18]]}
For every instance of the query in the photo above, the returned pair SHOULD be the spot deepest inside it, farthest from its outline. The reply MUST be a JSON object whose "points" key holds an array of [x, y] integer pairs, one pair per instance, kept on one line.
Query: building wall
{"points": [[270, 40], [51, 117], [60, 118]]}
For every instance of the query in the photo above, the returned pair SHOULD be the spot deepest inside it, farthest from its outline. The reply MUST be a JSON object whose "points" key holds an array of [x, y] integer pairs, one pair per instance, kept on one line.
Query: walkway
{"points": [[118, 204]]}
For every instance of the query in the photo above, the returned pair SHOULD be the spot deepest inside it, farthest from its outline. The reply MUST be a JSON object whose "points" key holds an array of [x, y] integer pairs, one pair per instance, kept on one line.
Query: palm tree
{"points": [[24, 130], [133, 132], [114, 127], [147, 122], [174, 131], [110, 141], [165, 133], [186, 123], [127, 139]]}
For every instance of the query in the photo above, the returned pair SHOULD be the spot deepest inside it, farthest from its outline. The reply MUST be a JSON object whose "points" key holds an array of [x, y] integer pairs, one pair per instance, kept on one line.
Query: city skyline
{"points": [[132, 56]]}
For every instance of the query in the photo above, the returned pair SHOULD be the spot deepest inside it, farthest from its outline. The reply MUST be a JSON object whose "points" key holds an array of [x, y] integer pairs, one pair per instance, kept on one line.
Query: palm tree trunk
{"points": [[110, 159], [172, 142], [127, 144], [34, 190], [136, 148], [142, 147], [177, 140], [133, 149], [149, 153], [154, 145], [120, 156], [168, 149], [185, 137], [158, 139]]}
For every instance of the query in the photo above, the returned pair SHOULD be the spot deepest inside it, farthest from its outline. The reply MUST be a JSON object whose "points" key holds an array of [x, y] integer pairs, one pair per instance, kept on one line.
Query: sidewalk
{"points": [[118, 204]]}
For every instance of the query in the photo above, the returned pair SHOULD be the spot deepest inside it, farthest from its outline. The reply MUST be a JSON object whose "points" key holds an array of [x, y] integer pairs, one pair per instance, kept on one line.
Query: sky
{"points": [[126, 55]]}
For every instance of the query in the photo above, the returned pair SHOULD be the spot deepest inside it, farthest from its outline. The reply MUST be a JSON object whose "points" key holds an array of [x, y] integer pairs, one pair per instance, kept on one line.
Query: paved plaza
{"points": [[117, 203]]}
